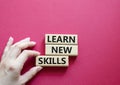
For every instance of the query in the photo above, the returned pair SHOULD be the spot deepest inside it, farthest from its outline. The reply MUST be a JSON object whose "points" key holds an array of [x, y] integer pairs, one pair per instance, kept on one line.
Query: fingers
{"points": [[9, 43], [24, 45], [19, 46], [7, 48], [24, 56], [22, 41], [28, 75]]}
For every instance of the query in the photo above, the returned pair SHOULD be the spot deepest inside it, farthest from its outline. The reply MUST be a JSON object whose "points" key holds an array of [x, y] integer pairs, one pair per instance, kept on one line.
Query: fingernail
{"points": [[28, 38], [33, 42], [39, 68], [38, 53], [10, 38]]}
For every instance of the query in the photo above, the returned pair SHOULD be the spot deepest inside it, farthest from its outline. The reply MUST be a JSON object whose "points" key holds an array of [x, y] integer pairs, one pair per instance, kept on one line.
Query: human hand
{"points": [[12, 61]]}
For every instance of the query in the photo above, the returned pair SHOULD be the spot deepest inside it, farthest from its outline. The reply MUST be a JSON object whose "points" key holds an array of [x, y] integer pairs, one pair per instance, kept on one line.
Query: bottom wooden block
{"points": [[52, 61]]}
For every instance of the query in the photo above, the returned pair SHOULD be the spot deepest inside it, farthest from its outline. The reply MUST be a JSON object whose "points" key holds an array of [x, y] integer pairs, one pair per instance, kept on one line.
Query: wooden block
{"points": [[68, 50], [61, 39], [52, 61]]}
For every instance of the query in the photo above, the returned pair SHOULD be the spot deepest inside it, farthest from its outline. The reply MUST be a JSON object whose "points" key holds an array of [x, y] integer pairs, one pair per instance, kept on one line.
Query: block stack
{"points": [[58, 49]]}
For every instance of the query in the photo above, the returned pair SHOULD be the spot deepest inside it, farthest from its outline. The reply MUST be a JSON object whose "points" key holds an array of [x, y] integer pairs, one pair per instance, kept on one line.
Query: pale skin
{"points": [[12, 61]]}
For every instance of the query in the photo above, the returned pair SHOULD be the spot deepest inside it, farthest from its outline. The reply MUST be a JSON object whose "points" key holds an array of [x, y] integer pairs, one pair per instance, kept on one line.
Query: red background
{"points": [[97, 23]]}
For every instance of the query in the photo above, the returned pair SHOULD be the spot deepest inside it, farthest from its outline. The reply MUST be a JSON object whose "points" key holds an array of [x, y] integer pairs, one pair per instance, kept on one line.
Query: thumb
{"points": [[30, 74]]}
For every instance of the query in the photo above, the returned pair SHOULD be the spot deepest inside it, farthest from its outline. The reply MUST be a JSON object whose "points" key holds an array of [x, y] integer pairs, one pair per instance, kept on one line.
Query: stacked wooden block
{"points": [[58, 48]]}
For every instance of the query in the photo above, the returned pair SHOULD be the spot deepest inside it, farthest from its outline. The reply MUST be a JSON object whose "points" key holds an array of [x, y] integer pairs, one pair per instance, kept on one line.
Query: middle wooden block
{"points": [[69, 50]]}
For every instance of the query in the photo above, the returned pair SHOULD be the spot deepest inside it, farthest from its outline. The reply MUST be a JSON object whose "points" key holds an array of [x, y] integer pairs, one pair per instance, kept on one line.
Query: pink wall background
{"points": [[97, 22]]}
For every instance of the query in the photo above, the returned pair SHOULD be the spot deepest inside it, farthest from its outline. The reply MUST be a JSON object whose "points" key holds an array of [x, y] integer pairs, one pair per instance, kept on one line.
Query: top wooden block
{"points": [[61, 39]]}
